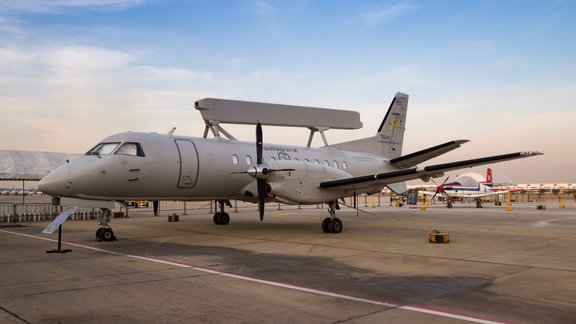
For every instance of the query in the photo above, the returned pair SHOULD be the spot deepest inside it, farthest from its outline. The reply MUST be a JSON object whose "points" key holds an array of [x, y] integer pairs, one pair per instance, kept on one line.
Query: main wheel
{"points": [[216, 218], [98, 231], [325, 225], [224, 219], [335, 225], [106, 234]]}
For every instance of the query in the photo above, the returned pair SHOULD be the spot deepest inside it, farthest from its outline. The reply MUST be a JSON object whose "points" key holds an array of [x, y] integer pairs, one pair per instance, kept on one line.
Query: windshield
{"points": [[103, 149], [130, 149]]}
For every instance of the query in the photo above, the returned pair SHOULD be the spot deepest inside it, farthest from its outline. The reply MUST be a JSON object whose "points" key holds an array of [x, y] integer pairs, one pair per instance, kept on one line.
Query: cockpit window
{"points": [[103, 149], [130, 149]]}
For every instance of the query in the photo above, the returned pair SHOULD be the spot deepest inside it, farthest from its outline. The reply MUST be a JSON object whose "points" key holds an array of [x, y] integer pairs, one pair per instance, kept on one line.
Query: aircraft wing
{"points": [[415, 158], [429, 193], [480, 195], [437, 170]]}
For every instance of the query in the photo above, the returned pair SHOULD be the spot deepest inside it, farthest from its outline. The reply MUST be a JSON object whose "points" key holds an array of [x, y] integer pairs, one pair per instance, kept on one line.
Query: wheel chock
{"points": [[173, 218], [437, 237]]}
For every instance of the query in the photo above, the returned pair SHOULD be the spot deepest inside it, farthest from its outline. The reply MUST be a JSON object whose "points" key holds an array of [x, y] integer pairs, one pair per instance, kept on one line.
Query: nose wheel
{"points": [[105, 232]]}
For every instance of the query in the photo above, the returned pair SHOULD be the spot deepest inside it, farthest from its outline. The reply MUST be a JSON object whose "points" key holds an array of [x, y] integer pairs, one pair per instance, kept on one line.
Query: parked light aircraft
{"points": [[151, 166], [455, 190]]}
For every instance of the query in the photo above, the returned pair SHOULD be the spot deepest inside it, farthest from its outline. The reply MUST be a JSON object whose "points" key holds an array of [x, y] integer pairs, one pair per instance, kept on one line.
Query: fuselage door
{"points": [[188, 163]]}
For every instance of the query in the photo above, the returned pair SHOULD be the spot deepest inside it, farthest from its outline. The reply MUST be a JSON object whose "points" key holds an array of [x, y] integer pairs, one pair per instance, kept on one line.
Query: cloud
{"points": [[378, 15], [64, 98]]}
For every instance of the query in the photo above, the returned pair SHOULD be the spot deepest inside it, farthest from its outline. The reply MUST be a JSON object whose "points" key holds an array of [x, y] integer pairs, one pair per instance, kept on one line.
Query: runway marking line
{"points": [[414, 308]]}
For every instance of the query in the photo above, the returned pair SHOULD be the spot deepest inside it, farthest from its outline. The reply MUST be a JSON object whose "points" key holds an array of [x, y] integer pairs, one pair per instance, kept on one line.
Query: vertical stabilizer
{"points": [[390, 135], [489, 176]]}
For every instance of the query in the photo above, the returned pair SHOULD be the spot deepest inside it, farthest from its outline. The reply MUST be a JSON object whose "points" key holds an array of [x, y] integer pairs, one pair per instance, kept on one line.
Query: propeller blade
{"points": [[261, 197], [259, 141]]}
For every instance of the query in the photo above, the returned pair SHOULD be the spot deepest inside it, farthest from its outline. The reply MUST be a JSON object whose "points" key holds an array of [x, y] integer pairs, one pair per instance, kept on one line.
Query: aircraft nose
{"points": [[53, 184]]}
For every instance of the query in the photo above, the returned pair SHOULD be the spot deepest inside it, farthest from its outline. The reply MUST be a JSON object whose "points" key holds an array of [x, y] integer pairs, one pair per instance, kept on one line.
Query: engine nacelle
{"points": [[301, 185]]}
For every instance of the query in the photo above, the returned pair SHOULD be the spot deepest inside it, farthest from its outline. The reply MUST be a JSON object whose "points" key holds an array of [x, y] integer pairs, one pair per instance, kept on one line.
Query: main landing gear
{"points": [[221, 217], [105, 232], [332, 224], [479, 203]]}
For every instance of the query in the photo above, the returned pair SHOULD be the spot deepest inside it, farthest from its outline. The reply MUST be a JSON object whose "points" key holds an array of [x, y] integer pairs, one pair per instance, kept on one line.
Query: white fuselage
{"points": [[195, 168]]}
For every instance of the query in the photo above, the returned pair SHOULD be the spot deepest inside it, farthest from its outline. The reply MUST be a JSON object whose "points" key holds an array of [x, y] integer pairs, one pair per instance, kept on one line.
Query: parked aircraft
{"points": [[456, 190], [151, 166]]}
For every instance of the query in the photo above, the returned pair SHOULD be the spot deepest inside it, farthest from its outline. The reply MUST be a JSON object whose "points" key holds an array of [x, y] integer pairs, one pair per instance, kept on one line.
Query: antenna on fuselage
{"points": [[171, 132]]}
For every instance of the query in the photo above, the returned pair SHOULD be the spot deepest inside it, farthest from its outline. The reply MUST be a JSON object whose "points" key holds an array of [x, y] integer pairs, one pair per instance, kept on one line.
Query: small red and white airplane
{"points": [[456, 190]]}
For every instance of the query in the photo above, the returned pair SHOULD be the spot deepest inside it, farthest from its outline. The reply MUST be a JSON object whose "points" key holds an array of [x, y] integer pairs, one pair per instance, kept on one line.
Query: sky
{"points": [[501, 74]]}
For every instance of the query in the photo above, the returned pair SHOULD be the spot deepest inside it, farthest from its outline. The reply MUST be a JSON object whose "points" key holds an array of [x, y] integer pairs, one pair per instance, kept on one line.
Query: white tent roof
{"points": [[30, 165]]}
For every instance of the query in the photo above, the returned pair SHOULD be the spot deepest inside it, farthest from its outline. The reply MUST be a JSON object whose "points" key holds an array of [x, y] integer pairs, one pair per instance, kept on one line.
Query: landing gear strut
{"points": [[332, 224], [105, 232], [221, 217]]}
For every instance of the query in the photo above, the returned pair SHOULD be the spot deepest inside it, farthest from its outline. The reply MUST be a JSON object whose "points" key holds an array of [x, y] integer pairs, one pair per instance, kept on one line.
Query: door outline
{"points": [[189, 164]]}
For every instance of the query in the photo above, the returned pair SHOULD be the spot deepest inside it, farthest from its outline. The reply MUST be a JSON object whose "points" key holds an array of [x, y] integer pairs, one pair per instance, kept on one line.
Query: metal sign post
{"points": [[57, 224]]}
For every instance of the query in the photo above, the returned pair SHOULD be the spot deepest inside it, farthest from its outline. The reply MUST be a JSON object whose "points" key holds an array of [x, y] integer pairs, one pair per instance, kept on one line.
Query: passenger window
{"points": [[344, 165], [326, 163], [103, 149], [248, 160], [235, 159], [336, 164], [272, 158], [306, 160], [128, 148], [317, 162], [283, 156]]}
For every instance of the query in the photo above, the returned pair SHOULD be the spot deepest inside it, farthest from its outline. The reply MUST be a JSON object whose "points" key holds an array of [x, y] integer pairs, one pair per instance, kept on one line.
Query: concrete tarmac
{"points": [[500, 266]]}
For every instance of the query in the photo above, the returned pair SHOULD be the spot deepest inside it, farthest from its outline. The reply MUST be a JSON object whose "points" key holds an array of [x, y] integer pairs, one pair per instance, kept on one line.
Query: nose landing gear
{"points": [[105, 232]]}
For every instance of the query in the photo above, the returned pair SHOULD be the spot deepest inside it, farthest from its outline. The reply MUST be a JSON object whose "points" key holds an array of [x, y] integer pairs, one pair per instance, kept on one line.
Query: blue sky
{"points": [[500, 73]]}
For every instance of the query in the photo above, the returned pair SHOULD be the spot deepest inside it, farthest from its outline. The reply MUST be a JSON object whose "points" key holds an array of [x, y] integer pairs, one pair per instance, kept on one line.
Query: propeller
{"points": [[261, 183], [440, 188], [261, 171]]}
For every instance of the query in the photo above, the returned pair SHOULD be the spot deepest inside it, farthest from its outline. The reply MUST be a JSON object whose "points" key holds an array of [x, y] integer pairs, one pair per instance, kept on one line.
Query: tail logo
{"points": [[395, 122]]}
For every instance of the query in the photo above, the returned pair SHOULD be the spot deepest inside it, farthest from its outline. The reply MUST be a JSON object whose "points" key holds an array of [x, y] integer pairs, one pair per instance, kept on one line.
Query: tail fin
{"points": [[489, 176], [390, 136]]}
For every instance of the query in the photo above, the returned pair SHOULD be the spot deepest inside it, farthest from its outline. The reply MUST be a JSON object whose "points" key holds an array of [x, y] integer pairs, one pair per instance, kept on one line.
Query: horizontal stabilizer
{"points": [[366, 181], [415, 158]]}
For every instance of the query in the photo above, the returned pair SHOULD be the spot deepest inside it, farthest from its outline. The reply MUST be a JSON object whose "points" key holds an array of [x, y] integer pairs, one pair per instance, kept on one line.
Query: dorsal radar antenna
{"points": [[223, 111]]}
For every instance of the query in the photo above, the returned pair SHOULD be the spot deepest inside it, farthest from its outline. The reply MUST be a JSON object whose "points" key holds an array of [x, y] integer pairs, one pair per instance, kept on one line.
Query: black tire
{"points": [[107, 234], [224, 219], [216, 218], [326, 225], [98, 231], [335, 225]]}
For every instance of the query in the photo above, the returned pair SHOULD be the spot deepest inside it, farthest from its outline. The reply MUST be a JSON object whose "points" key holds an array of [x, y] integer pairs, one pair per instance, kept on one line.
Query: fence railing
{"points": [[13, 212], [38, 212]]}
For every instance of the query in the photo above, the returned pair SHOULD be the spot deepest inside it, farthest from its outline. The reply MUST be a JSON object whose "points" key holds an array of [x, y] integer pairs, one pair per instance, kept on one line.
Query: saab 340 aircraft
{"points": [[151, 166]]}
